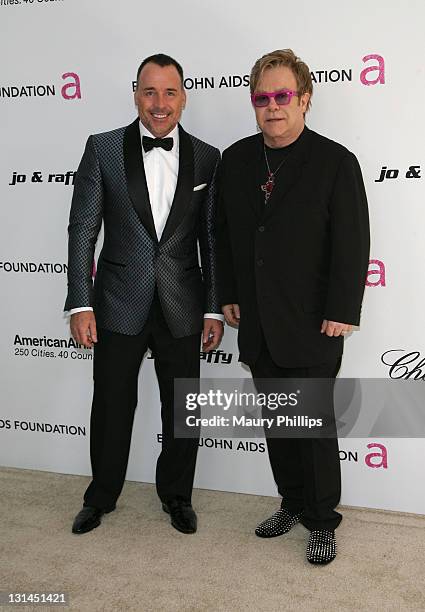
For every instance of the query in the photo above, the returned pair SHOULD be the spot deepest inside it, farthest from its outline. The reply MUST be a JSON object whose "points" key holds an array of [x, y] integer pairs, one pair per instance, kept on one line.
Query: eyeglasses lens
{"points": [[261, 100], [282, 98]]}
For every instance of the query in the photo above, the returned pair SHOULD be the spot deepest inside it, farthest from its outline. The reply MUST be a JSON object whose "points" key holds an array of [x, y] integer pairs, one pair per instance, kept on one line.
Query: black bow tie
{"points": [[150, 143]]}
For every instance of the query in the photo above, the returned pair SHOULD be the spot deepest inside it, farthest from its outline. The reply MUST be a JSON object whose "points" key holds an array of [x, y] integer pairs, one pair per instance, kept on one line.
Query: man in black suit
{"points": [[293, 256], [154, 188]]}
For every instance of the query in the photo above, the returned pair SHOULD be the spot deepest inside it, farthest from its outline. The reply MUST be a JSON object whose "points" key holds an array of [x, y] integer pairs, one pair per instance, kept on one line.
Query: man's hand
{"points": [[333, 328], [212, 334], [83, 328], [231, 314]]}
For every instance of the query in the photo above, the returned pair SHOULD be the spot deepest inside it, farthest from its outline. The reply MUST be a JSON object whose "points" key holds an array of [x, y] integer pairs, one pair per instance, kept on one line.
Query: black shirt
{"points": [[277, 156]]}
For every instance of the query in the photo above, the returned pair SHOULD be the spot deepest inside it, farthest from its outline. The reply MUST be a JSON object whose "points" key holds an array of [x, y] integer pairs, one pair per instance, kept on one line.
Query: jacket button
{"points": [[261, 228], [260, 262]]}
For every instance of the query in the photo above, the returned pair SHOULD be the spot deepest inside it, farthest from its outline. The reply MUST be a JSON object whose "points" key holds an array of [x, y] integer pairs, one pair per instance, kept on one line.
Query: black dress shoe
{"points": [[183, 517], [88, 518]]}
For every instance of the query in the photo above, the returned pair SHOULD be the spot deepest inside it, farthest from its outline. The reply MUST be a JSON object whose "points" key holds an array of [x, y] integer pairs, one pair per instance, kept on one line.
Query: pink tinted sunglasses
{"points": [[281, 97]]}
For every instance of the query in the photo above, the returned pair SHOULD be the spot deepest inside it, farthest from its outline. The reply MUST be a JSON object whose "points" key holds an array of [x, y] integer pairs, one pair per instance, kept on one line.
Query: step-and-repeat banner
{"points": [[68, 71]]}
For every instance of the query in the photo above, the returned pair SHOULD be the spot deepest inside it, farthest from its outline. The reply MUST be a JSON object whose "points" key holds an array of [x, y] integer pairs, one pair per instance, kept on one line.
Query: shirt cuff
{"points": [[82, 309], [214, 315]]}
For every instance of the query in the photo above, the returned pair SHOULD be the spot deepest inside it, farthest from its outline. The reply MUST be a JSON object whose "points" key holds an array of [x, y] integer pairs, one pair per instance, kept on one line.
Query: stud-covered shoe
{"points": [[278, 524], [321, 547]]}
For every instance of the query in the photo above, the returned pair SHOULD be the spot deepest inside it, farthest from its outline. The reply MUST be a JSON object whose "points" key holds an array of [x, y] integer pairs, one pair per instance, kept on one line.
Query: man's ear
{"points": [[304, 100]]}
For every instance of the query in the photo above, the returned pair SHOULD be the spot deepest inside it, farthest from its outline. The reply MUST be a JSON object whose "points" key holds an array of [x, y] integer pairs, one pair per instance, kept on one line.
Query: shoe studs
{"points": [[321, 547], [278, 524]]}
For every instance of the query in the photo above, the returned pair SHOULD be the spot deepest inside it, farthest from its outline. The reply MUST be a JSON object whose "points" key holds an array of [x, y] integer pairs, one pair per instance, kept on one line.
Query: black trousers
{"points": [[306, 470], [117, 360]]}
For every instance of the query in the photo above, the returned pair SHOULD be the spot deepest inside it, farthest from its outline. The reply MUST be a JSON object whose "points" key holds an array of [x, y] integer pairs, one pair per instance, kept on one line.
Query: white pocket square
{"points": [[199, 187]]}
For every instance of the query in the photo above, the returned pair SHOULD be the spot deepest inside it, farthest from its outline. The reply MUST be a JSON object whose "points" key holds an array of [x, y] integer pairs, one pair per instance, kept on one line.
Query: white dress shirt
{"points": [[161, 170]]}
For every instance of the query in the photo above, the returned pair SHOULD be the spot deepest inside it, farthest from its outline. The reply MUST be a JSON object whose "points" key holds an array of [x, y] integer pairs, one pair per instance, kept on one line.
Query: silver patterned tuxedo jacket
{"points": [[110, 187]]}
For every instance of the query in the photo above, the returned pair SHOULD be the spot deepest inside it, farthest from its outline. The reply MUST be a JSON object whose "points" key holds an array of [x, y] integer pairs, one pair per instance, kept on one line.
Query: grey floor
{"points": [[136, 561]]}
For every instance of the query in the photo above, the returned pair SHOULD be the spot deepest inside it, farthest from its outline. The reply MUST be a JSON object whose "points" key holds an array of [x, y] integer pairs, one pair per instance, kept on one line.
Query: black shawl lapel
{"points": [[255, 169], [291, 172], [136, 178], [184, 187]]}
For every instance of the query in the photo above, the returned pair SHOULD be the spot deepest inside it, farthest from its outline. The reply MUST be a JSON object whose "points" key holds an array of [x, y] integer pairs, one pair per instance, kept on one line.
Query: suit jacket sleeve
{"points": [[207, 243], [349, 235], [227, 281], [84, 224]]}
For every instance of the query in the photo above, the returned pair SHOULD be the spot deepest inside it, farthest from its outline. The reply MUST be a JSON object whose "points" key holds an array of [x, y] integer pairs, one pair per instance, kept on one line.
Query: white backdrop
{"points": [[67, 71]]}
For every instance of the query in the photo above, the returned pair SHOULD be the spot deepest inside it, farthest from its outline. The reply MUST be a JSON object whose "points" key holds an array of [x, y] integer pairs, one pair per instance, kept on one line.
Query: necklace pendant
{"points": [[268, 187]]}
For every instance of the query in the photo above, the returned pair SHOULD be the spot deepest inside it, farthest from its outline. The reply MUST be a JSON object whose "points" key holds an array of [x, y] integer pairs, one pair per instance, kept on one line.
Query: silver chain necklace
{"points": [[269, 184]]}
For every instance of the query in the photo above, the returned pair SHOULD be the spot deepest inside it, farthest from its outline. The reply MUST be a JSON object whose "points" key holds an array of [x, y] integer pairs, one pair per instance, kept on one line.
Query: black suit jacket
{"points": [[300, 258], [110, 186]]}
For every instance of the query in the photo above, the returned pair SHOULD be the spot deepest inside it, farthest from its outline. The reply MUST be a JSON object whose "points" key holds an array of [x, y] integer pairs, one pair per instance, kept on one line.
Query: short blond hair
{"points": [[284, 57]]}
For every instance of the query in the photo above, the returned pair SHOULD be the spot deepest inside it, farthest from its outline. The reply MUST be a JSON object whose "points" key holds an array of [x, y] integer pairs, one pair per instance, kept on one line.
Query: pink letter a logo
{"points": [[379, 273], [383, 455], [74, 85], [380, 68]]}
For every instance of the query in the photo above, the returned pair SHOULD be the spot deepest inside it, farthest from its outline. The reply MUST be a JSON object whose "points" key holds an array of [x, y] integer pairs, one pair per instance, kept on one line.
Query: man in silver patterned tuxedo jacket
{"points": [[153, 186]]}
